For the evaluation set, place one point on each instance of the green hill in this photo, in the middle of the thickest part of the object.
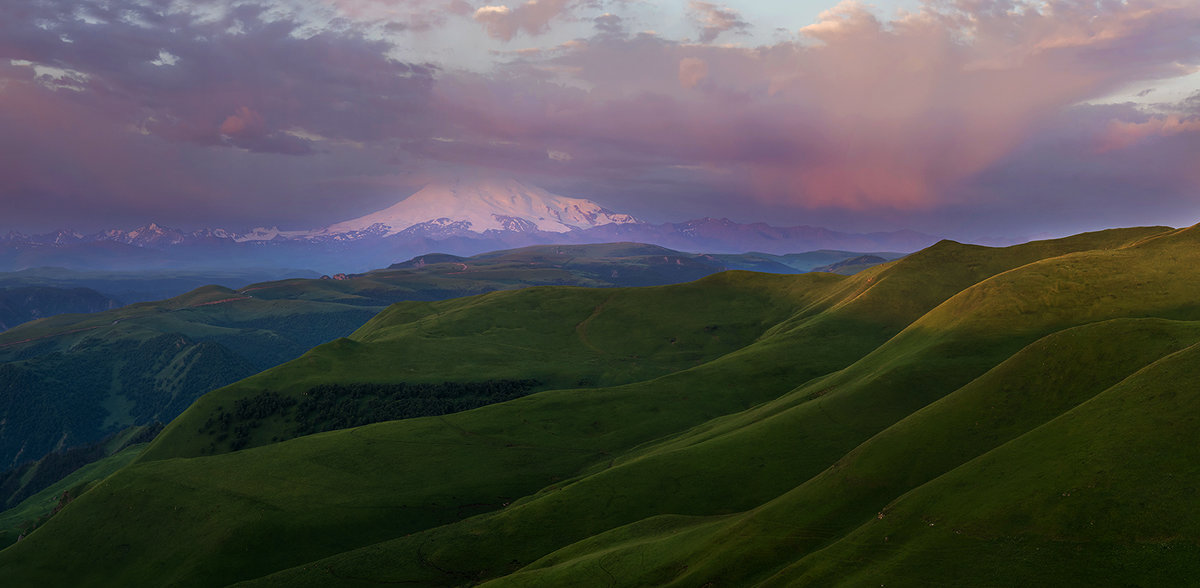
(439, 276)
(33, 492)
(72, 379)
(128, 287)
(962, 416)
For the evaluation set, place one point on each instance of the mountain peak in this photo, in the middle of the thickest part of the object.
(499, 204)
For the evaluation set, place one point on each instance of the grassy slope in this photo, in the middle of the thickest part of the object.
(564, 337)
(44, 501)
(150, 361)
(30, 478)
(576, 445)
(71, 379)
(1071, 366)
(1100, 495)
(768, 450)
(147, 285)
(25, 303)
(550, 439)
(438, 276)
(1033, 387)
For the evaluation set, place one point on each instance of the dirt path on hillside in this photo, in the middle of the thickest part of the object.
(581, 328)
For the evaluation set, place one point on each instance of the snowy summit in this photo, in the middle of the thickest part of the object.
(502, 205)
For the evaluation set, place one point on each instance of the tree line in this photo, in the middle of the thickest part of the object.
(328, 407)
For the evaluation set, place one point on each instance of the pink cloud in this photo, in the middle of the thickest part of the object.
(857, 113)
(243, 122)
(692, 71)
(1121, 134)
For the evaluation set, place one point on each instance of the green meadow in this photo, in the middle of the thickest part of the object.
(963, 416)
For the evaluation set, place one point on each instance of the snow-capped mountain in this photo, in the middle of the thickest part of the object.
(269, 234)
(151, 235)
(481, 206)
(461, 218)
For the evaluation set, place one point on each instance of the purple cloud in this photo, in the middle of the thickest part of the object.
(715, 20)
(303, 113)
(855, 114)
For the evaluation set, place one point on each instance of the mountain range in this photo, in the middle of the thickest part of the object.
(461, 218)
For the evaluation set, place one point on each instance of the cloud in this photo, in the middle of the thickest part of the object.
(714, 20)
(1123, 134)
(842, 20)
(243, 122)
(63, 163)
(533, 17)
(165, 59)
(1059, 182)
(609, 24)
(692, 71)
(236, 84)
(855, 114)
(962, 110)
(339, 85)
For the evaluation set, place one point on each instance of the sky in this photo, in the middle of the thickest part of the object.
(971, 119)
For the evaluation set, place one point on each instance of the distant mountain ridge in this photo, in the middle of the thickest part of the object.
(461, 218)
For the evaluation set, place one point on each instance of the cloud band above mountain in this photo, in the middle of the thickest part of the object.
(214, 112)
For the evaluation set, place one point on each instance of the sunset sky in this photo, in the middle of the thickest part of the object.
(974, 119)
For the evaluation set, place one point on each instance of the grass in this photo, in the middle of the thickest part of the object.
(1102, 486)
(78, 377)
(441, 276)
(563, 337)
(72, 379)
(16, 520)
(963, 416)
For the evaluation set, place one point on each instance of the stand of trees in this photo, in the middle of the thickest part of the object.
(32, 477)
(340, 406)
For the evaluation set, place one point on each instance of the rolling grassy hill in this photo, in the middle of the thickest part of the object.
(34, 492)
(439, 276)
(962, 416)
(72, 379)
(128, 287)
